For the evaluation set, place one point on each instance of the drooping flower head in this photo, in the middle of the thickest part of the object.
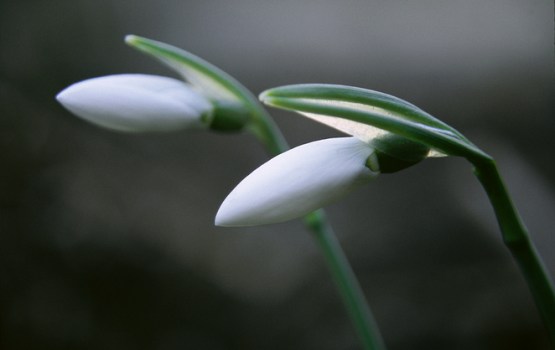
(298, 182)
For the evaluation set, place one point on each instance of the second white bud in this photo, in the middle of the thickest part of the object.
(137, 103)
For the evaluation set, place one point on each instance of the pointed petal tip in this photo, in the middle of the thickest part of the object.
(233, 214)
(223, 219)
(66, 96)
(60, 96)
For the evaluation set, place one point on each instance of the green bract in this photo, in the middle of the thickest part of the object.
(235, 106)
(372, 116)
(212, 81)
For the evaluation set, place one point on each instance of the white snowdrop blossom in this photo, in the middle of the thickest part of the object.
(298, 182)
(137, 103)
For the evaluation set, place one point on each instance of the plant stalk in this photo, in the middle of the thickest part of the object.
(517, 239)
(346, 281)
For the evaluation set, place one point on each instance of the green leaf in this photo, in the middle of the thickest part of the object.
(216, 85)
(368, 114)
(212, 81)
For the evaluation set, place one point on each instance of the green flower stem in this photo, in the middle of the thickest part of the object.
(517, 239)
(346, 281)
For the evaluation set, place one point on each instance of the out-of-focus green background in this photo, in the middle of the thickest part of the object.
(107, 240)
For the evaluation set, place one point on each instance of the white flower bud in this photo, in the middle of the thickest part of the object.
(297, 182)
(137, 103)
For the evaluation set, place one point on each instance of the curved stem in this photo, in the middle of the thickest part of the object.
(517, 239)
(346, 281)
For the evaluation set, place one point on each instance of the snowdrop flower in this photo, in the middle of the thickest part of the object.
(299, 181)
(137, 103)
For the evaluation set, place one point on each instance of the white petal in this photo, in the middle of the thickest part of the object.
(136, 103)
(297, 182)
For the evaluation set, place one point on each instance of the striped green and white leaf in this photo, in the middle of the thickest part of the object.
(215, 84)
(209, 79)
(368, 114)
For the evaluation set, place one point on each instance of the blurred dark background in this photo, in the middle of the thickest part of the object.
(107, 240)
